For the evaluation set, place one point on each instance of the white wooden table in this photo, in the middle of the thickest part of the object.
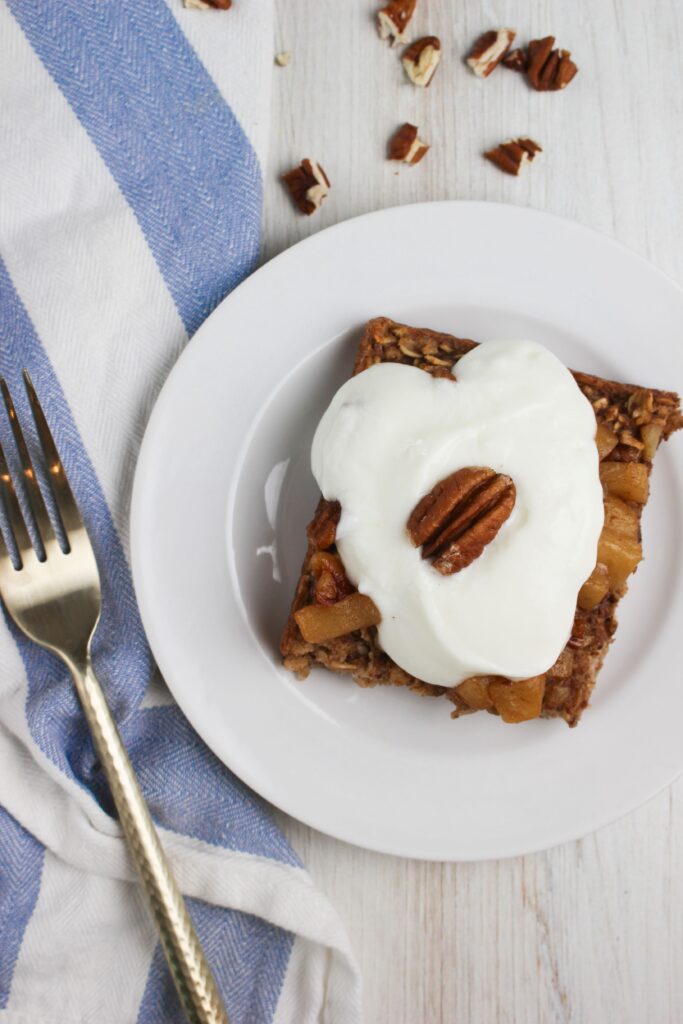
(590, 932)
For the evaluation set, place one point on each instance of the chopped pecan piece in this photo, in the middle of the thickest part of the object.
(563, 667)
(331, 582)
(205, 5)
(548, 69)
(405, 145)
(421, 59)
(322, 531)
(308, 185)
(641, 406)
(489, 50)
(460, 516)
(393, 20)
(511, 156)
(516, 60)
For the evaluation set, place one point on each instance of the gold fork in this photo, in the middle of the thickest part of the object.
(54, 598)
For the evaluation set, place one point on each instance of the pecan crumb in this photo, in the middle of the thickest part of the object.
(421, 59)
(489, 50)
(308, 185)
(548, 69)
(393, 20)
(510, 156)
(516, 60)
(406, 145)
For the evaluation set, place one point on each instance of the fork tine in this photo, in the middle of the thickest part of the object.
(4, 550)
(35, 495)
(61, 489)
(14, 516)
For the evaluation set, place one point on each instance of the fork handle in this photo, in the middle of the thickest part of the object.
(189, 968)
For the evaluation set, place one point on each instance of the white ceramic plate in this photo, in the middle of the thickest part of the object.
(223, 493)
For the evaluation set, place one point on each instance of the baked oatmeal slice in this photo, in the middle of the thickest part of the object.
(631, 423)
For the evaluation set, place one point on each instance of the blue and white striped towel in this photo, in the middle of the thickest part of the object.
(131, 142)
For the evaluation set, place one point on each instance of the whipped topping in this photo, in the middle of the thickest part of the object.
(393, 432)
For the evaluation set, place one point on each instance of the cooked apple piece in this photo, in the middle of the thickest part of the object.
(651, 435)
(621, 519)
(626, 480)
(475, 691)
(518, 700)
(595, 588)
(319, 622)
(619, 546)
(606, 441)
(621, 557)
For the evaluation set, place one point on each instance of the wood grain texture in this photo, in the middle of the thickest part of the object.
(592, 931)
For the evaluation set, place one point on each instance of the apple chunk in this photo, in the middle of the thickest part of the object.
(518, 700)
(625, 480)
(619, 547)
(475, 691)
(595, 588)
(320, 622)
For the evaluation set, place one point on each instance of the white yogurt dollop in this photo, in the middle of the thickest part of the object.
(393, 432)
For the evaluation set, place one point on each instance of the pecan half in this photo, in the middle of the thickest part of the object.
(489, 50)
(516, 60)
(405, 145)
(308, 185)
(511, 156)
(460, 516)
(548, 69)
(421, 59)
(393, 20)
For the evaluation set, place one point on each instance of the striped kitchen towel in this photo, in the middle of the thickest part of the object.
(131, 145)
